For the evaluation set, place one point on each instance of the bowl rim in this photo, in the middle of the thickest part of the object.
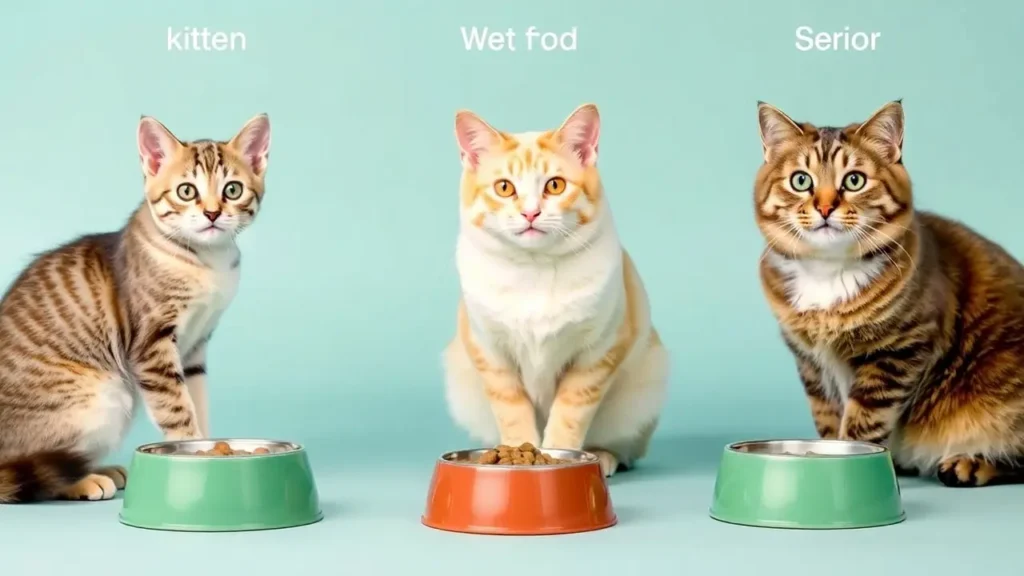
(214, 528)
(146, 449)
(875, 450)
(879, 522)
(583, 458)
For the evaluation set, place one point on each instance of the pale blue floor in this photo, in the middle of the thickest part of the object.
(371, 527)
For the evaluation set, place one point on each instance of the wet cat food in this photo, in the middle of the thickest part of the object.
(224, 449)
(524, 455)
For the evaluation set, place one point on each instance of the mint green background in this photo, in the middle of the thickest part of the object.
(348, 285)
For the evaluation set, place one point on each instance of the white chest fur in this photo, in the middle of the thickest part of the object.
(813, 284)
(540, 316)
(218, 285)
(836, 375)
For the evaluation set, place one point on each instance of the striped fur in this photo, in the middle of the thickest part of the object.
(554, 342)
(907, 327)
(91, 324)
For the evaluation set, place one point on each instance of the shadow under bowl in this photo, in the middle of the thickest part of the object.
(808, 484)
(564, 498)
(171, 488)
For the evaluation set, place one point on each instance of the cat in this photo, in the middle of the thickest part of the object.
(553, 328)
(907, 327)
(89, 326)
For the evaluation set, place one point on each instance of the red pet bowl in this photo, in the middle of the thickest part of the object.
(518, 500)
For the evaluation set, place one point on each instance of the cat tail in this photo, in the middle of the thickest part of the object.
(40, 476)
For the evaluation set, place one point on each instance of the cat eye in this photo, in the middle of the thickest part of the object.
(555, 186)
(854, 181)
(801, 181)
(187, 192)
(233, 190)
(504, 188)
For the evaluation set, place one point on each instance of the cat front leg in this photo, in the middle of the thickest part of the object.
(512, 408)
(161, 381)
(869, 419)
(576, 402)
(194, 373)
(826, 411)
(580, 392)
(883, 382)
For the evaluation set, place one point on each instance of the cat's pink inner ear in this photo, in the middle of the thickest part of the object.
(884, 131)
(581, 132)
(776, 127)
(155, 145)
(474, 137)
(253, 142)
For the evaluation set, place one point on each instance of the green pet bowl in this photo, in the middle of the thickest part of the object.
(809, 484)
(171, 488)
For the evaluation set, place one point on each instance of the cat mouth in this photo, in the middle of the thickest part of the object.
(530, 231)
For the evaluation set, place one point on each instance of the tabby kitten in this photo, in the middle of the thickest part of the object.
(91, 323)
(554, 330)
(907, 327)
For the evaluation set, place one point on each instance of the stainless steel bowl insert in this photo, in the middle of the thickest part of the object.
(807, 448)
(467, 457)
(190, 447)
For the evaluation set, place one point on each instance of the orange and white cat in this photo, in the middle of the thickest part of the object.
(554, 344)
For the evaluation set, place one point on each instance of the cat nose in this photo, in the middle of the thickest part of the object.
(531, 215)
(211, 216)
(826, 201)
(826, 206)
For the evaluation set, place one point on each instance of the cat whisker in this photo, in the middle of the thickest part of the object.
(874, 246)
(767, 251)
(891, 239)
(793, 228)
(582, 245)
(787, 226)
(887, 222)
(172, 236)
(571, 233)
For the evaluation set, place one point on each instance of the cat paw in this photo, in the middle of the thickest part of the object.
(92, 487)
(561, 441)
(966, 472)
(116, 473)
(609, 462)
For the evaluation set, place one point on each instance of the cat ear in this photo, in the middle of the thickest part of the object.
(580, 133)
(253, 143)
(775, 126)
(474, 137)
(156, 145)
(883, 132)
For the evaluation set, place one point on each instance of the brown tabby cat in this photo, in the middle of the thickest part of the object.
(907, 328)
(91, 323)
